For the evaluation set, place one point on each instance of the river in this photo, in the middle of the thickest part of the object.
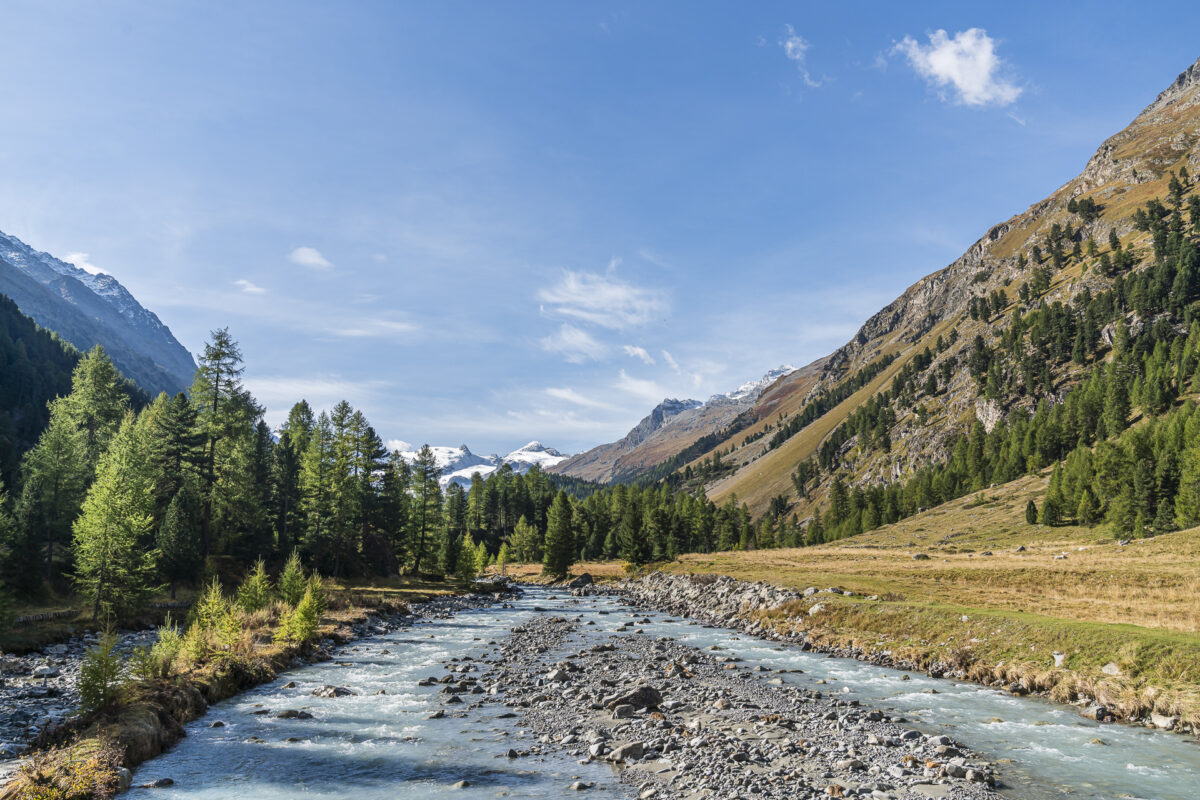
(381, 746)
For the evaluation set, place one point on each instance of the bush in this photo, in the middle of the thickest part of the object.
(255, 592)
(303, 622)
(292, 581)
(156, 662)
(100, 681)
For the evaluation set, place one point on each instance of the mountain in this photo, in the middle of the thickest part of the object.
(458, 464)
(671, 427)
(988, 340)
(88, 309)
(35, 367)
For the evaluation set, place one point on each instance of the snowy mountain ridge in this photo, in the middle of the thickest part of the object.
(458, 464)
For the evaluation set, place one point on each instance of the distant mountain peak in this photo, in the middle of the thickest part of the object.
(88, 307)
(458, 464)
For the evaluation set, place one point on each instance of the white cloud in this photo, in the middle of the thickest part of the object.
(571, 396)
(638, 387)
(248, 287)
(375, 327)
(603, 300)
(309, 257)
(634, 351)
(575, 345)
(796, 49)
(966, 62)
(671, 362)
(83, 261)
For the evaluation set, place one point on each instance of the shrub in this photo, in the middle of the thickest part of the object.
(100, 675)
(291, 581)
(302, 623)
(255, 592)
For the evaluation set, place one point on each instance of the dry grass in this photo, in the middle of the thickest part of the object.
(599, 570)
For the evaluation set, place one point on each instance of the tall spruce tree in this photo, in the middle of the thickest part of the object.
(560, 538)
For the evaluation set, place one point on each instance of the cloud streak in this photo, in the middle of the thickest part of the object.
(602, 300)
(248, 287)
(634, 351)
(966, 65)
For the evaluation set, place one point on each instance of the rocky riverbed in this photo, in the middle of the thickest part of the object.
(40, 689)
(678, 722)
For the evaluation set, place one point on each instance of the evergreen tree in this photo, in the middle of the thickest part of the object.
(1031, 513)
(55, 475)
(112, 569)
(178, 539)
(222, 407)
(97, 403)
(560, 539)
(427, 506)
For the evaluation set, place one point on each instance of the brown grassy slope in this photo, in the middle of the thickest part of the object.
(1130, 168)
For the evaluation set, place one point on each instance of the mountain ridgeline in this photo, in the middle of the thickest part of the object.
(87, 309)
(1064, 336)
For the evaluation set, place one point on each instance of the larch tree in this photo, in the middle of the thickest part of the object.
(112, 568)
(215, 392)
(55, 476)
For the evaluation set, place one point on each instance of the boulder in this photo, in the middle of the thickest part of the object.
(583, 580)
(641, 697)
(332, 691)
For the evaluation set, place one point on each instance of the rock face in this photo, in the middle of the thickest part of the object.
(88, 309)
(669, 428)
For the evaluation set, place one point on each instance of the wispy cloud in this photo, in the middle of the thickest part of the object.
(795, 48)
(602, 300)
(309, 257)
(248, 287)
(671, 362)
(639, 387)
(278, 393)
(375, 327)
(575, 345)
(634, 351)
(966, 63)
(571, 396)
(83, 261)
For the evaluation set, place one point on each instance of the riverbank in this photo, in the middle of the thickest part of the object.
(100, 751)
(680, 722)
(844, 623)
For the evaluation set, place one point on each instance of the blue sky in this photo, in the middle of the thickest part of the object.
(492, 222)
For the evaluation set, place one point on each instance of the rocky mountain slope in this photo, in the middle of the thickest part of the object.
(87, 309)
(669, 428)
(1130, 168)
(458, 464)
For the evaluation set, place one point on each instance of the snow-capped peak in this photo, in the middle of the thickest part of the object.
(458, 464)
(752, 389)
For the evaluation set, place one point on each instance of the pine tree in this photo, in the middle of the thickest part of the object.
(97, 403)
(427, 505)
(560, 539)
(464, 566)
(1031, 513)
(112, 569)
(222, 407)
(55, 475)
(292, 581)
(178, 538)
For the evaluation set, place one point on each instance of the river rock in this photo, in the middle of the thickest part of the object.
(332, 691)
(641, 697)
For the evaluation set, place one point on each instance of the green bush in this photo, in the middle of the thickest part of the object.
(100, 681)
(291, 581)
(302, 623)
(255, 592)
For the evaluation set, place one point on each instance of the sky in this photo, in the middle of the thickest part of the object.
(487, 223)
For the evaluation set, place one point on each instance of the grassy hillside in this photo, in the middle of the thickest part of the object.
(1131, 168)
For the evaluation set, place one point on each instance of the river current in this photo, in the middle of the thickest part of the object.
(373, 746)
